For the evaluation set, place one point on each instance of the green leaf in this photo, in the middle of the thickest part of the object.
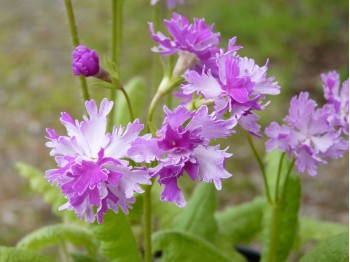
(333, 249)
(241, 223)
(163, 212)
(20, 255)
(117, 240)
(39, 184)
(138, 94)
(180, 246)
(281, 223)
(58, 234)
(315, 230)
(198, 216)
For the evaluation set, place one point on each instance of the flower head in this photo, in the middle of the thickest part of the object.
(338, 99)
(307, 135)
(197, 38)
(183, 146)
(238, 87)
(92, 171)
(85, 61)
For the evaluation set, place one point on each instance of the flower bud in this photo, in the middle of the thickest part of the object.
(85, 61)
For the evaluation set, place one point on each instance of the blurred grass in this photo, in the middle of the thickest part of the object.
(302, 38)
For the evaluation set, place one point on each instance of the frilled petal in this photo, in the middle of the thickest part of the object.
(211, 164)
(120, 141)
(248, 122)
(262, 85)
(171, 193)
(279, 137)
(145, 149)
(211, 127)
(204, 84)
(175, 118)
(306, 161)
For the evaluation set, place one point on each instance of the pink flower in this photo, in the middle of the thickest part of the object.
(92, 170)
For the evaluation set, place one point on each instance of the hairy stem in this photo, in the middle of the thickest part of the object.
(75, 42)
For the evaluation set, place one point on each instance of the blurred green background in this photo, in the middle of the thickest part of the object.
(302, 39)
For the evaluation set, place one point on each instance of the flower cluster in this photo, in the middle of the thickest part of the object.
(234, 84)
(182, 145)
(92, 170)
(311, 134)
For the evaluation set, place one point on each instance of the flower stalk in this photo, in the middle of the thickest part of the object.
(75, 42)
(116, 37)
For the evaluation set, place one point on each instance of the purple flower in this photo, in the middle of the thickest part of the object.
(239, 87)
(91, 169)
(183, 146)
(85, 61)
(171, 4)
(197, 38)
(307, 135)
(338, 99)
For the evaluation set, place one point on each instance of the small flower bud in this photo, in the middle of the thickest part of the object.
(85, 61)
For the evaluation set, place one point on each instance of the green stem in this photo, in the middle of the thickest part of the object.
(278, 176)
(116, 37)
(261, 165)
(151, 110)
(129, 103)
(75, 42)
(147, 219)
(273, 232)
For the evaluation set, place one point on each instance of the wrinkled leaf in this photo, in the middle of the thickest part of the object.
(117, 240)
(333, 249)
(241, 223)
(58, 234)
(197, 217)
(180, 246)
(12, 254)
(281, 223)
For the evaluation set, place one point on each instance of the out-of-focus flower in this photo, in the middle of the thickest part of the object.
(307, 135)
(171, 4)
(239, 87)
(92, 171)
(183, 146)
(85, 61)
(338, 98)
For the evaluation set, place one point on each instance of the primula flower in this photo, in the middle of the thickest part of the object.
(239, 87)
(338, 98)
(197, 39)
(307, 135)
(183, 146)
(85, 61)
(171, 4)
(91, 170)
